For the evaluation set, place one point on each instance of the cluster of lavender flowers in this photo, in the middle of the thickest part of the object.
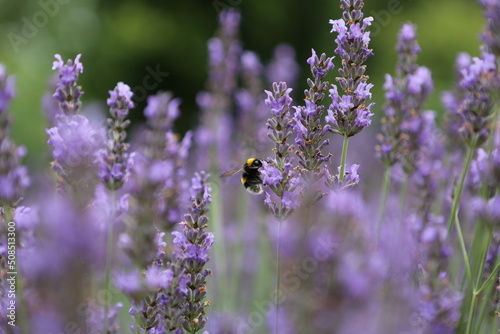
(120, 227)
(406, 93)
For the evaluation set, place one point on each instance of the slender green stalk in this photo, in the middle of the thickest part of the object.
(470, 320)
(480, 246)
(216, 216)
(383, 200)
(486, 285)
(458, 191)
(463, 249)
(239, 251)
(263, 278)
(483, 308)
(494, 123)
(491, 278)
(109, 255)
(343, 158)
(278, 279)
(403, 196)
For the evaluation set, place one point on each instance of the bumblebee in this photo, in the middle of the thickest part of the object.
(250, 178)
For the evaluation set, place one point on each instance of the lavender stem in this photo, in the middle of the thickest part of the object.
(343, 158)
(458, 191)
(383, 201)
(470, 319)
(109, 250)
(403, 195)
(278, 277)
(463, 249)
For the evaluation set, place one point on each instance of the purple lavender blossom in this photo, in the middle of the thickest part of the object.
(75, 142)
(307, 121)
(406, 93)
(68, 93)
(279, 130)
(191, 252)
(478, 80)
(348, 114)
(49, 104)
(14, 177)
(69, 241)
(157, 188)
(491, 35)
(452, 100)
(74, 139)
(7, 88)
(215, 131)
(350, 180)
(283, 66)
(252, 112)
(114, 161)
(95, 320)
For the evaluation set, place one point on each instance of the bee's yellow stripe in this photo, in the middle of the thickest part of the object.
(250, 161)
(243, 180)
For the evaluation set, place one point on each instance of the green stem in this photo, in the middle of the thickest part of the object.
(239, 252)
(219, 248)
(403, 196)
(470, 321)
(278, 279)
(383, 200)
(109, 254)
(494, 122)
(458, 191)
(343, 158)
(464, 251)
(482, 310)
(491, 278)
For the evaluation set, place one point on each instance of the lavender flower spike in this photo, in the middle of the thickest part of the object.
(307, 120)
(114, 161)
(192, 247)
(406, 93)
(68, 93)
(13, 176)
(348, 114)
(278, 174)
(478, 81)
(7, 88)
(491, 34)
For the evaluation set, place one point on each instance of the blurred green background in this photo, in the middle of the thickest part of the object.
(120, 40)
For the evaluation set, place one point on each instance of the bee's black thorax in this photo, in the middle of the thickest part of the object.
(251, 178)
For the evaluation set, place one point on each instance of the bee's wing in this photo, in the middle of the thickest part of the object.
(232, 172)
